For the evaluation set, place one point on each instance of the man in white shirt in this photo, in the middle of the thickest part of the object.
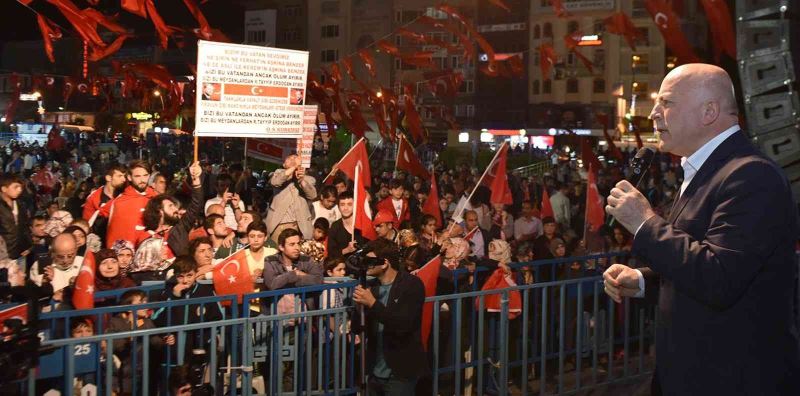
(562, 209)
(723, 262)
(527, 227)
(61, 266)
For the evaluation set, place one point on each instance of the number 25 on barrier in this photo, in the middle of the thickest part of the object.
(83, 349)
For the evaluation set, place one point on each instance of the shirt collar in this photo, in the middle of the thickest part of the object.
(693, 162)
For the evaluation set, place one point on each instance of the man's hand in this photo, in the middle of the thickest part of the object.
(169, 340)
(300, 273)
(235, 199)
(228, 241)
(363, 296)
(621, 281)
(195, 170)
(629, 206)
(351, 247)
(49, 274)
(299, 173)
(226, 197)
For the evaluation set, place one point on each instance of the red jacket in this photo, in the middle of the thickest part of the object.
(125, 220)
(94, 202)
(388, 206)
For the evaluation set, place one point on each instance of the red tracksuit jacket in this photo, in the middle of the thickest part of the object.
(125, 220)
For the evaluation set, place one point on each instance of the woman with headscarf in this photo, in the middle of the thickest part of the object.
(125, 252)
(80, 238)
(108, 275)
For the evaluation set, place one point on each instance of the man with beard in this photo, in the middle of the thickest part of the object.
(115, 180)
(124, 213)
(340, 234)
(218, 232)
(289, 268)
(162, 217)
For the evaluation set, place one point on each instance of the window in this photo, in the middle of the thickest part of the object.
(434, 13)
(643, 39)
(455, 60)
(256, 36)
(599, 59)
(398, 40)
(640, 63)
(572, 85)
(571, 59)
(535, 87)
(400, 65)
(468, 86)
(639, 87)
(639, 9)
(546, 3)
(330, 31)
(292, 34)
(548, 30)
(470, 110)
(599, 26)
(537, 32)
(330, 55)
(292, 11)
(547, 86)
(572, 26)
(409, 16)
(599, 86)
(536, 58)
(398, 16)
(330, 7)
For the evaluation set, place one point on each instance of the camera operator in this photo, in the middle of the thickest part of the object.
(395, 359)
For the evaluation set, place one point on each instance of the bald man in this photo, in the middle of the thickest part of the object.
(723, 261)
(61, 265)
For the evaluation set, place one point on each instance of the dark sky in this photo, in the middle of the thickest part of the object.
(17, 22)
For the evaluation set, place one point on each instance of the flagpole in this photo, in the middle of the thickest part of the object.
(461, 211)
(355, 201)
(244, 165)
(380, 143)
(336, 167)
(397, 154)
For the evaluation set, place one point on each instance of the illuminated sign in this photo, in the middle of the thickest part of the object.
(591, 40)
(140, 116)
(31, 97)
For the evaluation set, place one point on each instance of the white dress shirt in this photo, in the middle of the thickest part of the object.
(691, 165)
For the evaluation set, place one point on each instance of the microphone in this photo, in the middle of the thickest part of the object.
(640, 163)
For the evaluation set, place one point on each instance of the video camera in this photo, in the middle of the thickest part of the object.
(358, 263)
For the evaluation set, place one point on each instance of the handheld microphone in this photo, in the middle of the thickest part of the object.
(640, 163)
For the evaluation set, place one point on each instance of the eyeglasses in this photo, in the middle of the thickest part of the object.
(64, 256)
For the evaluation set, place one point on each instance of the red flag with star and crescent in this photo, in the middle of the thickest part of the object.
(83, 297)
(232, 276)
(431, 206)
(429, 275)
(407, 160)
(669, 24)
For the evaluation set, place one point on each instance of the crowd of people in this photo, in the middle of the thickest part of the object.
(147, 220)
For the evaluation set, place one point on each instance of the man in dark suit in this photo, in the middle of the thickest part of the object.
(723, 261)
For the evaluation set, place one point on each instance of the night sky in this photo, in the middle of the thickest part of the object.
(19, 22)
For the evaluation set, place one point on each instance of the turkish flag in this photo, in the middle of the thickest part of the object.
(571, 41)
(232, 276)
(368, 59)
(619, 23)
(429, 275)
(587, 155)
(501, 193)
(559, 9)
(669, 24)
(407, 160)
(547, 59)
(134, 6)
(362, 221)
(602, 118)
(723, 34)
(546, 206)
(205, 29)
(357, 153)
(595, 216)
(499, 280)
(413, 120)
(83, 296)
(431, 205)
(20, 312)
(500, 4)
(50, 32)
(256, 90)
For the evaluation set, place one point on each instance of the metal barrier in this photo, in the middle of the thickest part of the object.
(564, 326)
(538, 169)
(566, 338)
(322, 346)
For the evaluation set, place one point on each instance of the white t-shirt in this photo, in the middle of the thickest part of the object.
(329, 214)
(230, 217)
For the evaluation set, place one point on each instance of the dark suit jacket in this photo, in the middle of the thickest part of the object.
(401, 318)
(728, 272)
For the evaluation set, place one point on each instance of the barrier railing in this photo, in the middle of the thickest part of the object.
(566, 337)
(562, 326)
(92, 359)
(538, 169)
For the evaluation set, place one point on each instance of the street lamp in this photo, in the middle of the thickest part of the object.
(157, 94)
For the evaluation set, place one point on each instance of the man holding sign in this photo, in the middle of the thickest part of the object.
(289, 208)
